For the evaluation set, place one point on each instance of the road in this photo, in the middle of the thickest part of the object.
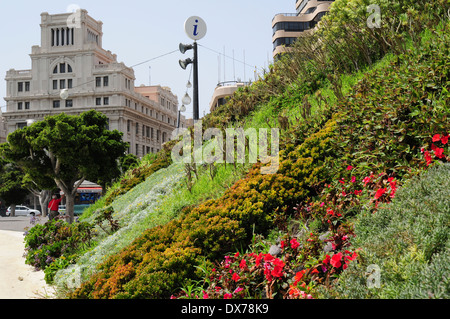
(18, 280)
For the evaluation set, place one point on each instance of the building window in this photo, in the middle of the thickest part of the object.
(69, 103)
(105, 81)
(21, 125)
(55, 84)
(137, 128)
(98, 81)
(63, 67)
(20, 106)
(27, 86)
(128, 126)
(69, 83)
(98, 101)
(62, 84)
(27, 105)
(106, 101)
(20, 86)
(56, 104)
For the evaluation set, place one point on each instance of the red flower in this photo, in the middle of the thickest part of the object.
(243, 264)
(299, 276)
(258, 259)
(380, 193)
(349, 168)
(227, 296)
(315, 271)
(428, 158)
(235, 277)
(326, 261)
(268, 257)
(278, 269)
(439, 152)
(444, 139)
(366, 180)
(283, 244)
(436, 138)
(336, 260)
(294, 243)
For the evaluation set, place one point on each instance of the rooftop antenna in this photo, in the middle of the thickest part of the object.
(234, 68)
(245, 76)
(149, 76)
(224, 65)
(218, 63)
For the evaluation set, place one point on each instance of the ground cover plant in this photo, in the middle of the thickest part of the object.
(346, 156)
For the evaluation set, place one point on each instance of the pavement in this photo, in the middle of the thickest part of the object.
(18, 280)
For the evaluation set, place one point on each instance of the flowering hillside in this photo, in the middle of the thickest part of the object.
(361, 188)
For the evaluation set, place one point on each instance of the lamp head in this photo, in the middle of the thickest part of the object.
(64, 94)
(186, 99)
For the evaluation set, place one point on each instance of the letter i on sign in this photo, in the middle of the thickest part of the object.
(195, 28)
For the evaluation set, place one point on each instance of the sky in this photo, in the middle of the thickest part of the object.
(138, 31)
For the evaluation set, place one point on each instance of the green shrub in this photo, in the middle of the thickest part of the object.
(408, 239)
(46, 243)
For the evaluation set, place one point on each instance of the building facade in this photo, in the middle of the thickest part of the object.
(223, 92)
(287, 27)
(71, 57)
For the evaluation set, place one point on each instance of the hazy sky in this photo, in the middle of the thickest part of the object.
(138, 31)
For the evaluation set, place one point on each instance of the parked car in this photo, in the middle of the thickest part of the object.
(23, 211)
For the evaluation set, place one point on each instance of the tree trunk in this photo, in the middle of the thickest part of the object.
(44, 198)
(70, 203)
(13, 210)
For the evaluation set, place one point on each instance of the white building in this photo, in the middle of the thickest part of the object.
(71, 57)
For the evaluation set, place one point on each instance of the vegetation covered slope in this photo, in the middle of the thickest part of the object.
(353, 131)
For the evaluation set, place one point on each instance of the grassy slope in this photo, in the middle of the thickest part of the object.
(258, 119)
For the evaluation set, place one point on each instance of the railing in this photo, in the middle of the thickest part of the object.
(233, 83)
(18, 73)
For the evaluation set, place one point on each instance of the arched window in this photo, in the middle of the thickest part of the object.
(62, 68)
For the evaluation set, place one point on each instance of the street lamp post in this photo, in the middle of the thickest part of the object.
(195, 27)
(184, 64)
(196, 102)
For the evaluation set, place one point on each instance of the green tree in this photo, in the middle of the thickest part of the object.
(68, 149)
(11, 190)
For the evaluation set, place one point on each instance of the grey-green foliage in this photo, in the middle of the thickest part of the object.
(408, 239)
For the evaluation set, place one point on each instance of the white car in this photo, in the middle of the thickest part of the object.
(23, 211)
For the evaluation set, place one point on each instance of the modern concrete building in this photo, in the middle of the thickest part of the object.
(223, 92)
(287, 27)
(71, 57)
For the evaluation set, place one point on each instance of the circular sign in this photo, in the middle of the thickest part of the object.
(195, 28)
